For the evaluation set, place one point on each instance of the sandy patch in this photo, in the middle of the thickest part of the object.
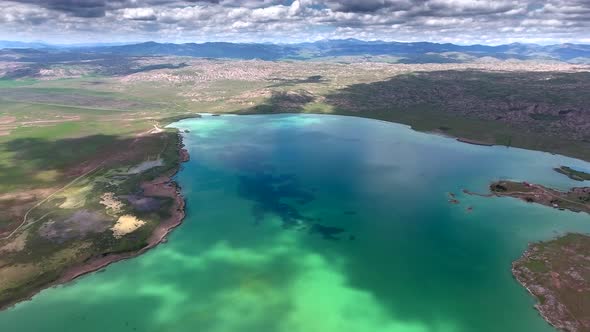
(7, 119)
(112, 204)
(6, 129)
(126, 224)
(156, 130)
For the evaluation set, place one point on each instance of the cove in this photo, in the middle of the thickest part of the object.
(325, 223)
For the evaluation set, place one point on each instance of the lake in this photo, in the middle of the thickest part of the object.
(325, 223)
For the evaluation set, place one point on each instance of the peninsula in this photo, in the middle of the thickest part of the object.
(556, 272)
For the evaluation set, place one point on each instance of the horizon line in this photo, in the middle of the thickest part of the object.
(82, 44)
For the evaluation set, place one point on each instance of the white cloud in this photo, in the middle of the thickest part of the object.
(139, 13)
(298, 20)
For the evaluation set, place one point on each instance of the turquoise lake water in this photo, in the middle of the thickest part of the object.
(318, 223)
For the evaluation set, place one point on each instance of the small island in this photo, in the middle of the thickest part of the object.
(556, 272)
(573, 174)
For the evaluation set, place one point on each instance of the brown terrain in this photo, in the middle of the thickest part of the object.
(160, 187)
(556, 272)
(74, 221)
(534, 102)
(576, 199)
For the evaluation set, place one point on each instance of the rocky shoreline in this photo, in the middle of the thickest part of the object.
(577, 199)
(162, 186)
(556, 272)
(557, 278)
(473, 141)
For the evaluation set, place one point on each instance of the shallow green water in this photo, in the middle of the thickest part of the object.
(388, 252)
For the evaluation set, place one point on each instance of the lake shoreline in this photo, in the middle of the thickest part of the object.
(459, 137)
(473, 141)
(554, 277)
(522, 277)
(547, 270)
(163, 186)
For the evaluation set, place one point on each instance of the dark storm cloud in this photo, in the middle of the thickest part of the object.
(463, 21)
(80, 8)
(98, 8)
(369, 5)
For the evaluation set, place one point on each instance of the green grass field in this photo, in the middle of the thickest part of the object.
(64, 144)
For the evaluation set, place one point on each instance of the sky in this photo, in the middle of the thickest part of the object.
(288, 21)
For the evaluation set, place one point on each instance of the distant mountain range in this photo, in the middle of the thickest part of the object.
(419, 52)
(17, 44)
(40, 45)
